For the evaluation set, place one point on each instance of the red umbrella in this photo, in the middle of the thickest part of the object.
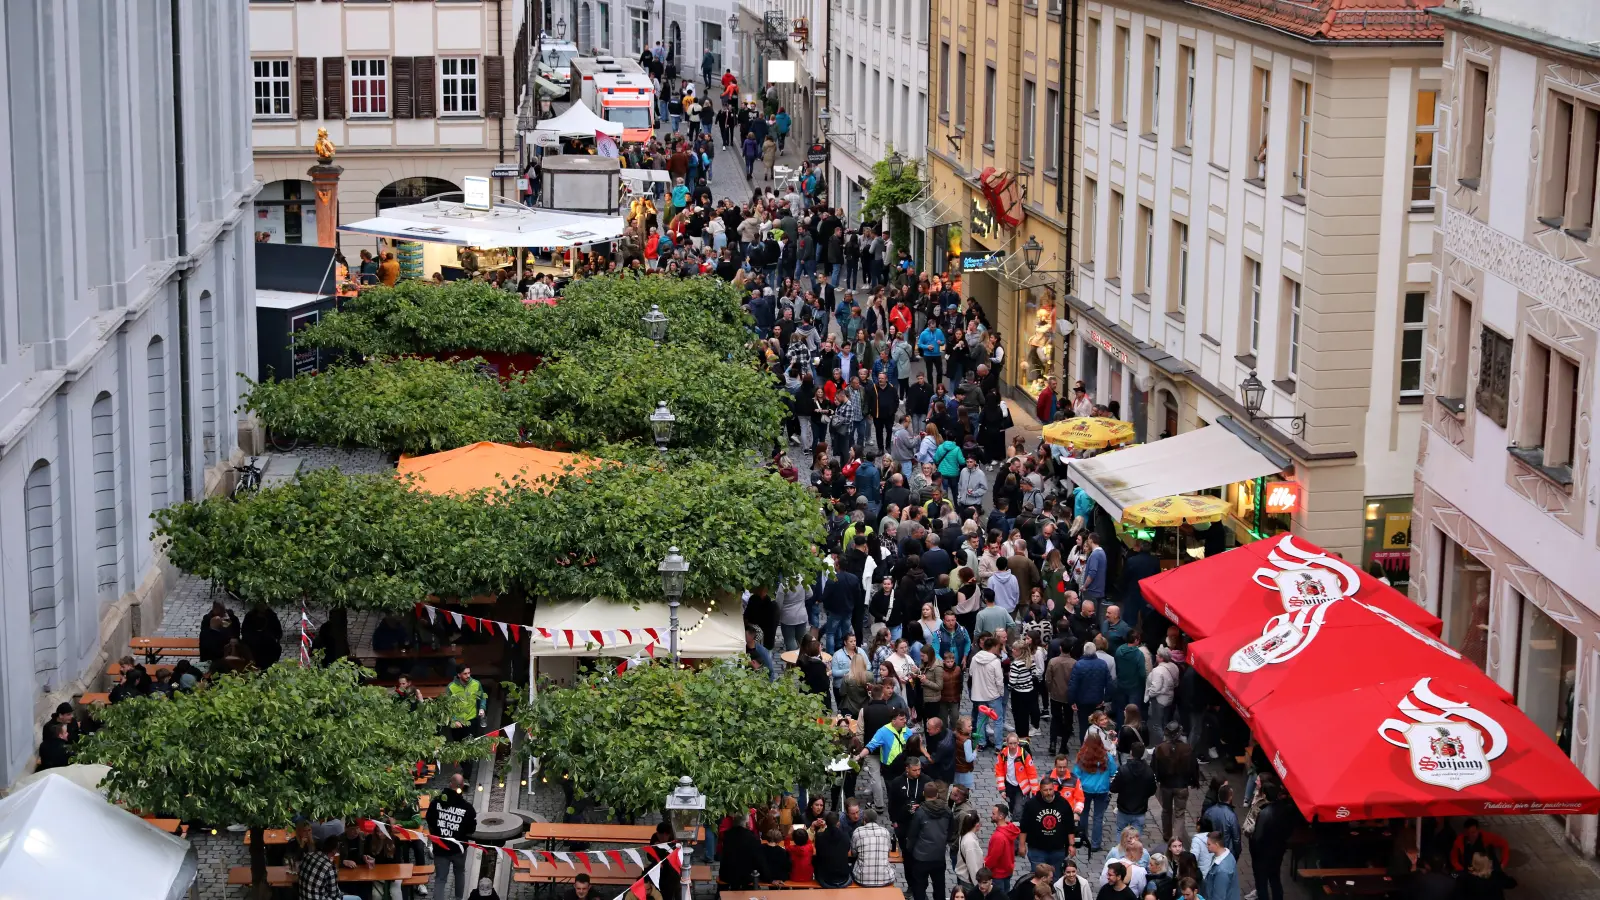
(1267, 577)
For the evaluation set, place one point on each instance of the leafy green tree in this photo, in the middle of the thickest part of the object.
(608, 309)
(417, 317)
(626, 739)
(885, 193)
(371, 542)
(262, 748)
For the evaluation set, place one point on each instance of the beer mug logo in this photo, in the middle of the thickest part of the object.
(1306, 579)
(1450, 744)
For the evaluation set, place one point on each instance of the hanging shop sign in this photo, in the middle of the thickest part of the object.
(817, 153)
(983, 221)
(1281, 497)
(1004, 195)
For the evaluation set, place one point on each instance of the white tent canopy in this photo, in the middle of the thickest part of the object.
(58, 839)
(447, 222)
(1205, 458)
(578, 121)
(701, 634)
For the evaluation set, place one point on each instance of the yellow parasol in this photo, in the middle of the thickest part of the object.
(1088, 432)
(1177, 510)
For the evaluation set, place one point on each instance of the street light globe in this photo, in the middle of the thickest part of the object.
(674, 572)
(561, 29)
(1031, 252)
(1252, 392)
(661, 423)
(897, 165)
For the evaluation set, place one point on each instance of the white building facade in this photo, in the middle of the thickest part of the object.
(416, 96)
(1255, 195)
(879, 105)
(126, 296)
(1507, 540)
(629, 27)
(787, 31)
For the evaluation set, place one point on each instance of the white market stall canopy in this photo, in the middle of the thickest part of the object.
(448, 222)
(1193, 461)
(579, 121)
(701, 635)
(646, 176)
(58, 839)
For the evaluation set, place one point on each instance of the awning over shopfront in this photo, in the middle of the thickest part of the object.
(446, 222)
(1196, 460)
(1363, 715)
(928, 211)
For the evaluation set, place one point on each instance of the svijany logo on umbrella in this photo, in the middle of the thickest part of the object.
(1445, 738)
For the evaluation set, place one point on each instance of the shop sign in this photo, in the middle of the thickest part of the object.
(981, 262)
(475, 192)
(1110, 347)
(1397, 531)
(1281, 497)
(504, 171)
(983, 223)
(817, 154)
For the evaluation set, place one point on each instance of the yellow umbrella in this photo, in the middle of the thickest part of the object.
(1178, 510)
(1088, 432)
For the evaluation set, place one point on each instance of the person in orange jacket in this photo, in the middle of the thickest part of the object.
(1070, 788)
(1014, 774)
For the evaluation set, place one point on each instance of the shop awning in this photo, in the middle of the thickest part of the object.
(1362, 715)
(1196, 460)
(928, 211)
(701, 634)
(446, 222)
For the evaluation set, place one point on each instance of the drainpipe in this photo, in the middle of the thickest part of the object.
(181, 202)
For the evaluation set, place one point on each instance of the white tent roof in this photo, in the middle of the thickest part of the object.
(1195, 460)
(700, 635)
(579, 121)
(447, 222)
(58, 839)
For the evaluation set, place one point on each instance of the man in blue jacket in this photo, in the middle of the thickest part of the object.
(839, 591)
(1222, 881)
(1087, 685)
(951, 637)
(1094, 571)
(930, 346)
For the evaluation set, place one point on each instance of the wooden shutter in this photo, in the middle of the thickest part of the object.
(305, 76)
(494, 87)
(333, 87)
(400, 72)
(1494, 376)
(424, 96)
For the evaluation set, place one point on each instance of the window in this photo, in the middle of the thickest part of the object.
(961, 89)
(1548, 407)
(1412, 316)
(1119, 86)
(1052, 131)
(156, 396)
(1152, 85)
(1091, 69)
(1114, 239)
(1458, 347)
(1475, 107)
(1179, 301)
(1494, 375)
(1422, 151)
(43, 614)
(1252, 346)
(1291, 290)
(1572, 152)
(1186, 59)
(458, 85)
(369, 87)
(873, 98)
(1028, 98)
(1464, 604)
(1091, 222)
(1260, 117)
(1547, 660)
(605, 26)
(944, 80)
(990, 79)
(1302, 137)
(271, 78)
(1147, 250)
(638, 30)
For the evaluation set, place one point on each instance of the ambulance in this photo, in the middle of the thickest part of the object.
(618, 90)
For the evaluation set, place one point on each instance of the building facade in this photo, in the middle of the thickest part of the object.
(878, 54)
(1507, 539)
(1000, 103)
(793, 34)
(415, 96)
(629, 27)
(127, 296)
(1256, 196)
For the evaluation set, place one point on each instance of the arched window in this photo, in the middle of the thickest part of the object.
(585, 37)
(103, 445)
(675, 36)
(39, 502)
(407, 191)
(156, 400)
(208, 380)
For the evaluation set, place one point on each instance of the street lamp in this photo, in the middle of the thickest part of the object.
(661, 422)
(897, 165)
(674, 572)
(684, 806)
(655, 324)
(1252, 393)
(1031, 252)
(561, 30)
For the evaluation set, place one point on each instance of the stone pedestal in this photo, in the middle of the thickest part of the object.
(325, 180)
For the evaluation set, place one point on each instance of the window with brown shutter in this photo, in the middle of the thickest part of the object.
(306, 87)
(333, 87)
(425, 97)
(400, 74)
(494, 87)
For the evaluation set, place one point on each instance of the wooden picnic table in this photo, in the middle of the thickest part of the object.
(627, 873)
(1363, 886)
(551, 832)
(283, 876)
(153, 647)
(850, 893)
(1347, 872)
(99, 698)
(792, 657)
(272, 837)
(170, 826)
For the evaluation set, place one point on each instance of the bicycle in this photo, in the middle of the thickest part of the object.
(247, 478)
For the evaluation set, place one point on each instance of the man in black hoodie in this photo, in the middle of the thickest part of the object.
(1134, 784)
(451, 818)
(905, 794)
(925, 843)
(1275, 822)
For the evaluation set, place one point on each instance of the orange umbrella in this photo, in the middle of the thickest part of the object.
(486, 465)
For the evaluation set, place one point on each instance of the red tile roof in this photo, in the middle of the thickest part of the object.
(1363, 20)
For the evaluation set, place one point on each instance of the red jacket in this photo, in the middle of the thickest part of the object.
(1461, 857)
(1001, 860)
(900, 318)
(800, 861)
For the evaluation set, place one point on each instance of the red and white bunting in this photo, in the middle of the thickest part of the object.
(638, 659)
(669, 852)
(569, 638)
(305, 638)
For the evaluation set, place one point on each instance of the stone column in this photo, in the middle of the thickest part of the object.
(325, 180)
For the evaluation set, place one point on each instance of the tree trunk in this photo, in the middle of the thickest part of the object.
(259, 889)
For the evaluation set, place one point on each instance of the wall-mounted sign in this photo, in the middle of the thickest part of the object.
(817, 154)
(983, 223)
(1110, 347)
(475, 192)
(780, 71)
(1281, 497)
(506, 171)
(1397, 531)
(982, 262)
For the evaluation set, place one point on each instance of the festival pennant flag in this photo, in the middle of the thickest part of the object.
(634, 855)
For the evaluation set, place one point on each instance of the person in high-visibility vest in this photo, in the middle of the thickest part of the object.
(890, 741)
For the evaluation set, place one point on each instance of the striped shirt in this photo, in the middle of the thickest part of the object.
(1021, 676)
